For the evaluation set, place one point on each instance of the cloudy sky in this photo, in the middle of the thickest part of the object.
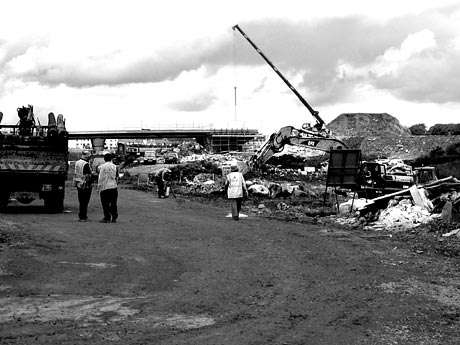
(149, 64)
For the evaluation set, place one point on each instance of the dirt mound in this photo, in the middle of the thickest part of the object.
(366, 125)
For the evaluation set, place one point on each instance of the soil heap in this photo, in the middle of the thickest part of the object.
(367, 125)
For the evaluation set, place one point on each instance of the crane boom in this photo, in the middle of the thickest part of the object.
(314, 113)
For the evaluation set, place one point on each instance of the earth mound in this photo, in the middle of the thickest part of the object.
(367, 125)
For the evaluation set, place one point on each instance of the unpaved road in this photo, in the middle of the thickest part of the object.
(179, 272)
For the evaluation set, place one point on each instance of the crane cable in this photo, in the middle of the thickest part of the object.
(235, 77)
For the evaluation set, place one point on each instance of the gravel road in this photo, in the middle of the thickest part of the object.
(174, 271)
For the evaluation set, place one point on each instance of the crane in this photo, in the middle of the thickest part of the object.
(307, 136)
(320, 123)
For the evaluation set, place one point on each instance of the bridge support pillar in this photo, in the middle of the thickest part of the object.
(98, 144)
(206, 142)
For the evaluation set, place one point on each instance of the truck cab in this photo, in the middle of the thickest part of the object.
(150, 157)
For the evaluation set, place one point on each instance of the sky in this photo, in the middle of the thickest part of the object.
(149, 64)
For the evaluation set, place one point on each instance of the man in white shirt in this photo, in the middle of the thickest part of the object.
(82, 180)
(236, 190)
(107, 186)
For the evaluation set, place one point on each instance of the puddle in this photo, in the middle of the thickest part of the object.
(51, 308)
(442, 293)
(100, 265)
(92, 310)
(178, 321)
(334, 233)
(400, 334)
(4, 273)
(242, 215)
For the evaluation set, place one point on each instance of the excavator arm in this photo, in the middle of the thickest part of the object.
(289, 135)
(308, 136)
(319, 121)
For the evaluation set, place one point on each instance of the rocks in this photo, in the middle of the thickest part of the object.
(282, 206)
(346, 207)
(451, 233)
(258, 189)
(403, 215)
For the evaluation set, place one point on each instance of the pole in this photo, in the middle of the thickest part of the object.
(235, 100)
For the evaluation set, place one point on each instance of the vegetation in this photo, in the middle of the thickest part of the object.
(445, 129)
(418, 129)
(446, 160)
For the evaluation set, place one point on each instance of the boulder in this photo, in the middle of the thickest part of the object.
(258, 189)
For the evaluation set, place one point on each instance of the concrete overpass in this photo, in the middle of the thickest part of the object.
(215, 140)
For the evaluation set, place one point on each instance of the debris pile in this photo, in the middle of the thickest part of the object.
(408, 208)
(401, 215)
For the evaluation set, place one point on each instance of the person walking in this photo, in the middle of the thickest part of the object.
(236, 190)
(83, 182)
(163, 177)
(107, 186)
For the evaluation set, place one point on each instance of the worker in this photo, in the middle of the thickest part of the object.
(236, 190)
(107, 186)
(163, 179)
(83, 182)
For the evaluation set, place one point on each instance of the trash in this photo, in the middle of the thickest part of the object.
(453, 232)
(258, 189)
(401, 216)
(345, 207)
(446, 214)
(420, 199)
(282, 206)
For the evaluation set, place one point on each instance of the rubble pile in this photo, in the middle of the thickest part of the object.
(202, 184)
(266, 188)
(401, 215)
(406, 209)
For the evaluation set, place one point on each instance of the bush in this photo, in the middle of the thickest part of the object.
(190, 170)
(418, 129)
(445, 129)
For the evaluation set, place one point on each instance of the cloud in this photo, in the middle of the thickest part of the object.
(50, 67)
(420, 69)
(413, 57)
(197, 103)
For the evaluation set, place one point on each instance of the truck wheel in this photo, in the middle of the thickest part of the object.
(4, 198)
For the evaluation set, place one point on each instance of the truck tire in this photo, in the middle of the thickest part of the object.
(4, 198)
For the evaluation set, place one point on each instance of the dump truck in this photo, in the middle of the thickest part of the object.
(34, 160)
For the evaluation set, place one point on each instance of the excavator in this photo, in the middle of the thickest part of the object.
(315, 137)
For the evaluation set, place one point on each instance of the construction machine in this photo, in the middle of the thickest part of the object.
(34, 160)
(386, 176)
(307, 136)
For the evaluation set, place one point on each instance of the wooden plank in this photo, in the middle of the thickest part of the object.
(384, 197)
(420, 199)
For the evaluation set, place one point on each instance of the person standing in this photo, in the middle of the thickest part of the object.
(83, 182)
(107, 186)
(236, 190)
(163, 178)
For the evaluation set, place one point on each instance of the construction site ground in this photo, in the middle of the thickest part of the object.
(178, 271)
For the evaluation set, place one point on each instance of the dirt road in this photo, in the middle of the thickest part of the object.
(179, 272)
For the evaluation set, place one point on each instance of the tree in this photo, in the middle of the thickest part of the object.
(418, 129)
(445, 129)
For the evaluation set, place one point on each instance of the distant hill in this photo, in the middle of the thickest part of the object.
(366, 125)
(381, 135)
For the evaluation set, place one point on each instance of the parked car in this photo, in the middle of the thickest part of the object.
(161, 160)
(171, 158)
(139, 160)
(150, 157)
